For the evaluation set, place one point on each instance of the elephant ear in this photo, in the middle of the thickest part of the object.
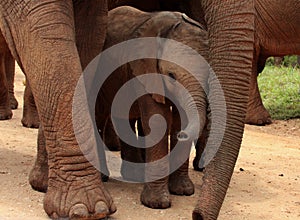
(144, 66)
(158, 25)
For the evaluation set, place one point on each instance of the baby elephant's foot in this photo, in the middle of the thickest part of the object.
(156, 198)
(38, 178)
(78, 198)
(181, 185)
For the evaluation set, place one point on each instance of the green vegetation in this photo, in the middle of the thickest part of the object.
(287, 61)
(280, 91)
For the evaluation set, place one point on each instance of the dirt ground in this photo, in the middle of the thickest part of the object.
(265, 184)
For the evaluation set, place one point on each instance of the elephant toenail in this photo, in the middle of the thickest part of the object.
(78, 210)
(101, 208)
(54, 215)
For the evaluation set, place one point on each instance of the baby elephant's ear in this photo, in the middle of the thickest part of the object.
(153, 83)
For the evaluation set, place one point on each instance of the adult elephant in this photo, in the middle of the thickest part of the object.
(277, 33)
(43, 37)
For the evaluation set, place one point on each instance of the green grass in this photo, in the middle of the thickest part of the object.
(280, 91)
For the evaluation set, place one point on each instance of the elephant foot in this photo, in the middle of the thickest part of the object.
(155, 198)
(5, 114)
(78, 198)
(134, 172)
(38, 178)
(30, 121)
(258, 116)
(13, 102)
(181, 185)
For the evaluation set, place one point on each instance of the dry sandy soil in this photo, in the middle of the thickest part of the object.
(265, 184)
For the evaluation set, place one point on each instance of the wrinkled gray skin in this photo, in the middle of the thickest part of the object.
(53, 41)
(135, 24)
(230, 26)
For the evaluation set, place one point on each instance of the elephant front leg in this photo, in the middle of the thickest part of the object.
(179, 181)
(134, 170)
(155, 193)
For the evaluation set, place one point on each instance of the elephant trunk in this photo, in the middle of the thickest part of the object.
(194, 115)
(231, 36)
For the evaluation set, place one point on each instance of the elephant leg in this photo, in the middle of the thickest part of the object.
(5, 109)
(257, 114)
(38, 177)
(110, 137)
(10, 76)
(179, 181)
(155, 193)
(101, 120)
(130, 171)
(53, 66)
(30, 115)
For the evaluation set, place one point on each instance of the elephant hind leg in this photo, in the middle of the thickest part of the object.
(5, 110)
(30, 115)
(9, 63)
(7, 99)
(257, 114)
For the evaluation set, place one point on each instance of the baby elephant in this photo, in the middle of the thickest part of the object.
(126, 23)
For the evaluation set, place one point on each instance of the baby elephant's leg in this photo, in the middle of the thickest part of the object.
(155, 193)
